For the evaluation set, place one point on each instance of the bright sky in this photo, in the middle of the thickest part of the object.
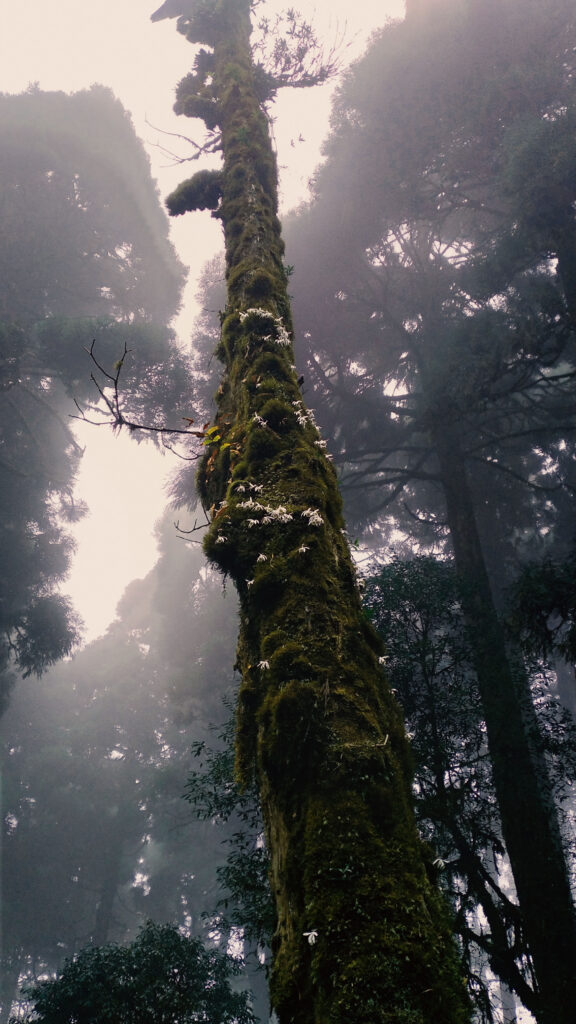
(68, 45)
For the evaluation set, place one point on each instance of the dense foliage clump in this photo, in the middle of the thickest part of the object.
(161, 977)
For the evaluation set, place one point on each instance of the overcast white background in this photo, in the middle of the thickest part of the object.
(68, 45)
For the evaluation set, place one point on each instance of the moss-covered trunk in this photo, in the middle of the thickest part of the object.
(362, 935)
(529, 820)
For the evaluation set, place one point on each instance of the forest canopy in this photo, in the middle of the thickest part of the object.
(433, 279)
(84, 259)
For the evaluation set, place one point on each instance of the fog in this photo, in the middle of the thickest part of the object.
(431, 270)
(119, 47)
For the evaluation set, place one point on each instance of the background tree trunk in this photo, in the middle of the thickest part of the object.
(10, 973)
(529, 820)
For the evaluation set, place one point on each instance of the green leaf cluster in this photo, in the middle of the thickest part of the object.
(161, 977)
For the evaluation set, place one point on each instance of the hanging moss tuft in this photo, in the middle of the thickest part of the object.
(205, 24)
(199, 106)
(202, 191)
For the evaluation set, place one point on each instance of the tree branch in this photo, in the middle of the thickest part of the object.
(114, 417)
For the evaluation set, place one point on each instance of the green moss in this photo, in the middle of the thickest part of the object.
(238, 176)
(261, 285)
(283, 653)
(270, 582)
(262, 445)
(316, 725)
(203, 25)
(292, 711)
(199, 106)
(204, 63)
(195, 98)
(272, 364)
(374, 936)
(278, 414)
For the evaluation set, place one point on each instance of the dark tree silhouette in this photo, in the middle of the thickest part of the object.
(447, 219)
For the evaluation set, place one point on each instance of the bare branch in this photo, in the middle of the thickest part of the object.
(185, 534)
(114, 417)
(211, 145)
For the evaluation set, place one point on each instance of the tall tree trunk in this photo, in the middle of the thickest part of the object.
(108, 891)
(566, 252)
(362, 936)
(565, 685)
(256, 978)
(529, 820)
(9, 976)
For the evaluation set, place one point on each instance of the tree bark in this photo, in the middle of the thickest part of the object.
(362, 936)
(565, 685)
(109, 886)
(10, 974)
(529, 821)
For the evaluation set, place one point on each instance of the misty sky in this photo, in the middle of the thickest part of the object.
(67, 45)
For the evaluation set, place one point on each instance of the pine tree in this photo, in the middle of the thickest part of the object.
(458, 222)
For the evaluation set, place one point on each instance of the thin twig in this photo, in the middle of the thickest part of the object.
(211, 145)
(185, 534)
(116, 418)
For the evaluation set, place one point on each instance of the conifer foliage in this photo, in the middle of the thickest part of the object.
(84, 259)
(446, 216)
